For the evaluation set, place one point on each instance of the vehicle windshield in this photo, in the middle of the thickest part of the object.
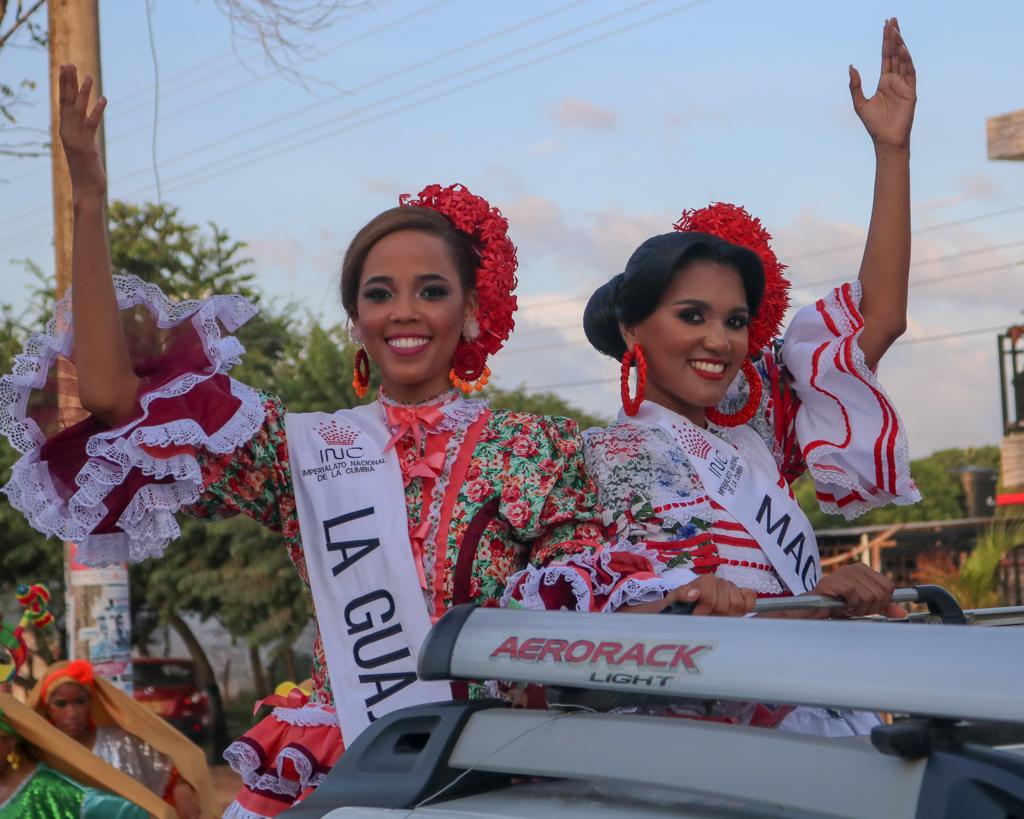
(162, 674)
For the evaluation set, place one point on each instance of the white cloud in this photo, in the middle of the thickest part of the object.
(572, 112)
(946, 390)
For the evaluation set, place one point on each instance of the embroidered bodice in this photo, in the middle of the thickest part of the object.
(821, 409)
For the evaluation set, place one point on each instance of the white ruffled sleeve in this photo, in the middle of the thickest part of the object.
(852, 439)
(114, 491)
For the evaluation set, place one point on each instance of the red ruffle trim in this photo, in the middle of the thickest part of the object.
(280, 762)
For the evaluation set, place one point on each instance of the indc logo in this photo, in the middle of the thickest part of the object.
(340, 440)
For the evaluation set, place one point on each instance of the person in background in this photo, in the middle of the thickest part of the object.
(126, 735)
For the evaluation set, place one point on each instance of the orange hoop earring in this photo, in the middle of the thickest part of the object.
(361, 373)
(632, 405)
(743, 415)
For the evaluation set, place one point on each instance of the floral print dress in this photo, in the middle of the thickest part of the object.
(487, 494)
(822, 410)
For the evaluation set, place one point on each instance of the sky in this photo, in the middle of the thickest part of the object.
(591, 124)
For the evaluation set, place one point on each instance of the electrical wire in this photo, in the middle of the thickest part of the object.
(918, 283)
(591, 382)
(927, 229)
(156, 98)
(273, 147)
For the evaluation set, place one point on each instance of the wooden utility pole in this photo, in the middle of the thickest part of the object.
(74, 35)
(98, 613)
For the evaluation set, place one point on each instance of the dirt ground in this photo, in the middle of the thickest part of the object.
(225, 784)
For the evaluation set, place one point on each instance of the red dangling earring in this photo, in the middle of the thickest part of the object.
(632, 405)
(469, 370)
(742, 416)
(361, 373)
(469, 386)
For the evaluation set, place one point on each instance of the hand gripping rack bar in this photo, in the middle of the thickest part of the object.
(942, 608)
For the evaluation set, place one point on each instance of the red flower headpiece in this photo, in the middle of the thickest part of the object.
(734, 224)
(495, 276)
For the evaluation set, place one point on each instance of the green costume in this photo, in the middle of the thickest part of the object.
(47, 794)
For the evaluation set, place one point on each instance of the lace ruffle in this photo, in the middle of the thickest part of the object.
(594, 584)
(245, 761)
(307, 716)
(853, 440)
(147, 522)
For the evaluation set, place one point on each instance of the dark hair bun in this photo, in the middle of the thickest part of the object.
(601, 320)
(633, 295)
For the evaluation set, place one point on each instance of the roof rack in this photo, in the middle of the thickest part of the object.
(462, 757)
(935, 671)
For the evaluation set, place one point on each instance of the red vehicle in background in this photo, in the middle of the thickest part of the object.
(169, 687)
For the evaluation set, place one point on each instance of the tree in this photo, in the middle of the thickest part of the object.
(154, 243)
(973, 583)
(936, 476)
(17, 140)
(543, 403)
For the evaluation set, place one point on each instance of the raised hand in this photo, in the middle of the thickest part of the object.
(889, 114)
(78, 128)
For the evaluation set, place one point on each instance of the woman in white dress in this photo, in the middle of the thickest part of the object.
(700, 461)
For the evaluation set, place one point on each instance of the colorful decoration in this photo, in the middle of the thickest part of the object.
(734, 224)
(35, 599)
(632, 405)
(743, 415)
(495, 276)
(361, 373)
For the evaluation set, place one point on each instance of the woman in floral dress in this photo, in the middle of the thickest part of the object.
(702, 468)
(392, 512)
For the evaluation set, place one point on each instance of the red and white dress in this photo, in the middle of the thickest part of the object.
(487, 493)
(822, 411)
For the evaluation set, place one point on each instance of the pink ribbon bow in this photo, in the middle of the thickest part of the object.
(416, 420)
(296, 698)
(429, 466)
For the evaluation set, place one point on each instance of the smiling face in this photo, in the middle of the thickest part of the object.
(695, 340)
(410, 311)
(68, 709)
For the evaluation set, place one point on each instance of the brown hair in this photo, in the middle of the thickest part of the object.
(425, 220)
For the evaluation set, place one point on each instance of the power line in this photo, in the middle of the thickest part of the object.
(217, 168)
(850, 246)
(252, 80)
(591, 382)
(218, 95)
(216, 61)
(923, 282)
(296, 140)
(557, 300)
(918, 283)
(156, 97)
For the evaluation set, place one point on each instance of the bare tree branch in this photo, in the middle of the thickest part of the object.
(278, 26)
(13, 98)
(20, 18)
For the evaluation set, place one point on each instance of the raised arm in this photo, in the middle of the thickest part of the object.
(107, 384)
(885, 268)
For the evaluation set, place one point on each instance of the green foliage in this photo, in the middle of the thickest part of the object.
(543, 403)
(16, 140)
(25, 555)
(230, 570)
(974, 582)
(937, 478)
